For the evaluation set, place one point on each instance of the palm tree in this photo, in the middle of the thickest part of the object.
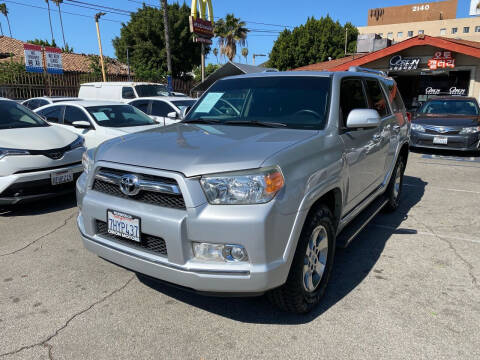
(50, 19)
(4, 11)
(231, 32)
(245, 54)
(1, 29)
(215, 52)
(58, 2)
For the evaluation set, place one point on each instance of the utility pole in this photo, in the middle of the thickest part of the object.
(97, 17)
(346, 40)
(128, 64)
(203, 62)
(167, 36)
(257, 55)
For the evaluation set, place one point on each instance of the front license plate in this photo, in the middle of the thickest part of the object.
(61, 177)
(123, 225)
(441, 140)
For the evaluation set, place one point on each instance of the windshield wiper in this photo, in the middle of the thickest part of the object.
(256, 123)
(202, 120)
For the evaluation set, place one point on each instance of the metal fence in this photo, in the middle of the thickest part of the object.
(27, 85)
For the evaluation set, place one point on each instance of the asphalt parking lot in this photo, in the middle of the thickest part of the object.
(407, 288)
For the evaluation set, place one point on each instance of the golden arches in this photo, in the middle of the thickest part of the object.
(203, 9)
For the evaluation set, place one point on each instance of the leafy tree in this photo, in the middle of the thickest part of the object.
(144, 36)
(209, 70)
(231, 32)
(313, 42)
(4, 11)
(245, 54)
(215, 52)
(43, 42)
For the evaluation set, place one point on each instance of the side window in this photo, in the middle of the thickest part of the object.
(376, 97)
(141, 105)
(52, 114)
(127, 93)
(74, 114)
(352, 97)
(395, 97)
(28, 104)
(41, 102)
(160, 108)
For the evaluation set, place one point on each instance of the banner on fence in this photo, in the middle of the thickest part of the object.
(33, 58)
(54, 60)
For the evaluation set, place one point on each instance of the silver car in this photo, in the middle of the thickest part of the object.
(255, 188)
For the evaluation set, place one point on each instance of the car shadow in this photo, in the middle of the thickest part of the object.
(441, 153)
(41, 207)
(351, 267)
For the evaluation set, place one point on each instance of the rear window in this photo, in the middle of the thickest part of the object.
(450, 107)
(15, 116)
(151, 90)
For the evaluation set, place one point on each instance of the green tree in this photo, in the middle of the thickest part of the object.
(42, 42)
(231, 32)
(313, 42)
(215, 52)
(144, 36)
(4, 11)
(209, 70)
(245, 54)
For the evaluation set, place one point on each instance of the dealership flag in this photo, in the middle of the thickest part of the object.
(475, 7)
(33, 58)
(54, 60)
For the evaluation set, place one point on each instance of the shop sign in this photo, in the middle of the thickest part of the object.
(201, 27)
(441, 60)
(432, 91)
(33, 58)
(53, 57)
(400, 63)
(454, 91)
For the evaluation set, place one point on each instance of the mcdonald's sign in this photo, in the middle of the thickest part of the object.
(200, 24)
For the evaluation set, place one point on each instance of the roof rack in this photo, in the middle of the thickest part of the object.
(367, 70)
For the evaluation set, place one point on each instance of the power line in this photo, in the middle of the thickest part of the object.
(97, 9)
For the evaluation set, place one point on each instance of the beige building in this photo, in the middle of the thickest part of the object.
(463, 28)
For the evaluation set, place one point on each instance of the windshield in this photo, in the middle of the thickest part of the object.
(296, 102)
(450, 107)
(151, 90)
(117, 116)
(15, 116)
(183, 104)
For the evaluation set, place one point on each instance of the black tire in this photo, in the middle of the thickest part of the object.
(393, 192)
(293, 296)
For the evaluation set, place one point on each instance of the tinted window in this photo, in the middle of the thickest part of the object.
(299, 102)
(395, 97)
(119, 116)
(453, 107)
(152, 90)
(182, 104)
(16, 116)
(127, 93)
(377, 98)
(52, 114)
(141, 105)
(73, 114)
(351, 97)
(160, 108)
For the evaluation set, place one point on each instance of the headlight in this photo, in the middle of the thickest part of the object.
(12, 152)
(470, 130)
(87, 161)
(79, 142)
(243, 188)
(419, 128)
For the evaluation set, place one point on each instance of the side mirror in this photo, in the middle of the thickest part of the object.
(363, 118)
(172, 115)
(81, 124)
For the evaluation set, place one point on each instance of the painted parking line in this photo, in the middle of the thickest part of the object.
(415, 232)
(442, 188)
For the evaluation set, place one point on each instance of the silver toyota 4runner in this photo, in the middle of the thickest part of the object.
(255, 188)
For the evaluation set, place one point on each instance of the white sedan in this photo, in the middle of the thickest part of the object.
(165, 110)
(97, 121)
(36, 160)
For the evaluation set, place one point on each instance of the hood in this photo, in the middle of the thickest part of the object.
(447, 120)
(200, 149)
(36, 138)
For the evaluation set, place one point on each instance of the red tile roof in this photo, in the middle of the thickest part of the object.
(71, 62)
(327, 65)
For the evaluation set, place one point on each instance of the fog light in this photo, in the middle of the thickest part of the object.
(219, 252)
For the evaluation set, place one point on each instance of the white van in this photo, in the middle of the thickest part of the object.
(123, 91)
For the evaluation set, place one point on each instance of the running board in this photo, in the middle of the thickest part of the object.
(359, 223)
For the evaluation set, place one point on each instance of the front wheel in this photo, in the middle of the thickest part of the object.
(311, 267)
(394, 190)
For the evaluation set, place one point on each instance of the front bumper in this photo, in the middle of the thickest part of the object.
(469, 142)
(263, 230)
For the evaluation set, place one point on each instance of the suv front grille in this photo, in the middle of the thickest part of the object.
(173, 201)
(150, 243)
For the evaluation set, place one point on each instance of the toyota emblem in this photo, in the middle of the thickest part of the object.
(129, 185)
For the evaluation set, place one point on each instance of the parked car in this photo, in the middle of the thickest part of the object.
(123, 91)
(35, 103)
(36, 160)
(449, 122)
(254, 198)
(97, 121)
(166, 111)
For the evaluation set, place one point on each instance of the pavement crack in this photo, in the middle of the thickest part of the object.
(45, 343)
(41, 237)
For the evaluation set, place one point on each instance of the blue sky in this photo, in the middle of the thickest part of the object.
(29, 18)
